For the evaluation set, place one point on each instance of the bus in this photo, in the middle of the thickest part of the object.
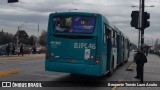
(84, 43)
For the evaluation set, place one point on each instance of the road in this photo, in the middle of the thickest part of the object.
(32, 69)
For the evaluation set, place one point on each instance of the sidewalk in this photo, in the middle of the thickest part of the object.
(151, 69)
(16, 57)
(151, 73)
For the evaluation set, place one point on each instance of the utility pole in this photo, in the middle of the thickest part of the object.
(140, 20)
(17, 36)
(38, 35)
(145, 23)
(142, 24)
(18, 32)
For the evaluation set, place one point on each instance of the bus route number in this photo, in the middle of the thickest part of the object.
(85, 45)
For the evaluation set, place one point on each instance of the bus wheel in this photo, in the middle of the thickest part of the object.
(112, 68)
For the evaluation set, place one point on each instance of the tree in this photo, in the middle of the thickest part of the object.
(32, 40)
(42, 38)
(22, 36)
(5, 37)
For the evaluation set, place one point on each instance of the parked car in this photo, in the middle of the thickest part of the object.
(26, 50)
(41, 49)
(3, 50)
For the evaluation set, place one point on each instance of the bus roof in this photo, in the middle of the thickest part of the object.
(75, 13)
(116, 29)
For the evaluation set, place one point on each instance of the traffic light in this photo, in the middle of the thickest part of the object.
(12, 1)
(135, 18)
(146, 23)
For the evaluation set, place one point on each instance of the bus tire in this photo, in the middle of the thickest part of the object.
(112, 68)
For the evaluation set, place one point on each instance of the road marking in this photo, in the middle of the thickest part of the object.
(114, 88)
(5, 73)
(130, 68)
(21, 57)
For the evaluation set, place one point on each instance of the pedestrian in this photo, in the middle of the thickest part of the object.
(146, 51)
(140, 59)
(34, 50)
(8, 49)
(13, 49)
(21, 50)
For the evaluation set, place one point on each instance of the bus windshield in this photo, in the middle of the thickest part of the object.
(74, 24)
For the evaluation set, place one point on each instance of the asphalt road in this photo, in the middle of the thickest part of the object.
(33, 70)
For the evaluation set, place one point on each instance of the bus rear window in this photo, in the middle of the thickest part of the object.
(74, 24)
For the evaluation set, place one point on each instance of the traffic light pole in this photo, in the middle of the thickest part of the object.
(141, 66)
(139, 23)
(142, 24)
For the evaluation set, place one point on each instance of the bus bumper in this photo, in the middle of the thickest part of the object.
(83, 69)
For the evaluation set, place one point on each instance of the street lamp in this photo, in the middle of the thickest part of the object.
(72, 9)
(18, 32)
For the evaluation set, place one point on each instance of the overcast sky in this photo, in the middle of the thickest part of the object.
(116, 11)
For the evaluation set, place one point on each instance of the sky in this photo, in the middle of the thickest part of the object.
(30, 12)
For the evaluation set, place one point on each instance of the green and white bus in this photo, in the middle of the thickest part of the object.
(84, 43)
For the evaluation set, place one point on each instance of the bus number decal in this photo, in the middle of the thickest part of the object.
(54, 44)
(85, 45)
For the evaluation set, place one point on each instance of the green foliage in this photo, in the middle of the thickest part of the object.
(42, 38)
(32, 40)
(23, 37)
(5, 37)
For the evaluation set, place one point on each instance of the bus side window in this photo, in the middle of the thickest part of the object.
(123, 42)
(109, 34)
(105, 34)
(113, 39)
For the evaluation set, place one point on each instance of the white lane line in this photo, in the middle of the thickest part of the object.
(42, 75)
